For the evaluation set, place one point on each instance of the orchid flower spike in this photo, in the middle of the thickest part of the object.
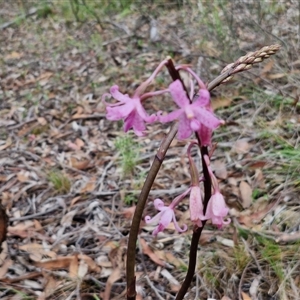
(216, 207)
(191, 116)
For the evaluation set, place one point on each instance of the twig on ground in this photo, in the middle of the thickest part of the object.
(34, 216)
(31, 12)
(288, 237)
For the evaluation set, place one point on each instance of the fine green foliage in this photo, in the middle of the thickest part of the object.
(272, 253)
(61, 182)
(130, 199)
(241, 257)
(83, 10)
(128, 150)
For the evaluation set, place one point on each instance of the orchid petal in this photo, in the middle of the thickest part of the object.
(141, 111)
(130, 110)
(205, 135)
(217, 210)
(149, 220)
(136, 122)
(165, 217)
(117, 113)
(204, 98)
(114, 91)
(184, 129)
(177, 227)
(206, 117)
(171, 116)
(196, 206)
(178, 94)
(159, 204)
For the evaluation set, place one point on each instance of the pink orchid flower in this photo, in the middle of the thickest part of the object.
(196, 206)
(128, 109)
(217, 209)
(191, 116)
(166, 215)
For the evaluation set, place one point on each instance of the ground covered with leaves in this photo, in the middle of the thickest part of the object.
(69, 179)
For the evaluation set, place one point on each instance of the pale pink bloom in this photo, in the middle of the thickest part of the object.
(196, 206)
(217, 210)
(164, 217)
(191, 116)
(128, 109)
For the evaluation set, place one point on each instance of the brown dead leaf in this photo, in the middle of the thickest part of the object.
(7, 144)
(259, 180)
(245, 296)
(170, 258)
(51, 285)
(44, 78)
(147, 251)
(37, 251)
(80, 165)
(3, 178)
(246, 194)
(13, 55)
(220, 102)
(67, 219)
(263, 209)
(79, 143)
(22, 229)
(267, 67)
(128, 212)
(73, 267)
(206, 237)
(257, 164)
(220, 169)
(114, 276)
(80, 116)
(5, 266)
(37, 225)
(241, 146)
(72, 146)
(54, 264)
(89, 187)
(42, 121)
(22, 176)
(276, 76)
(90, 262)
(74, 201)
(82, 269)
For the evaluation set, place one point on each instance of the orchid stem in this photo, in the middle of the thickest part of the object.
(197, 231)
